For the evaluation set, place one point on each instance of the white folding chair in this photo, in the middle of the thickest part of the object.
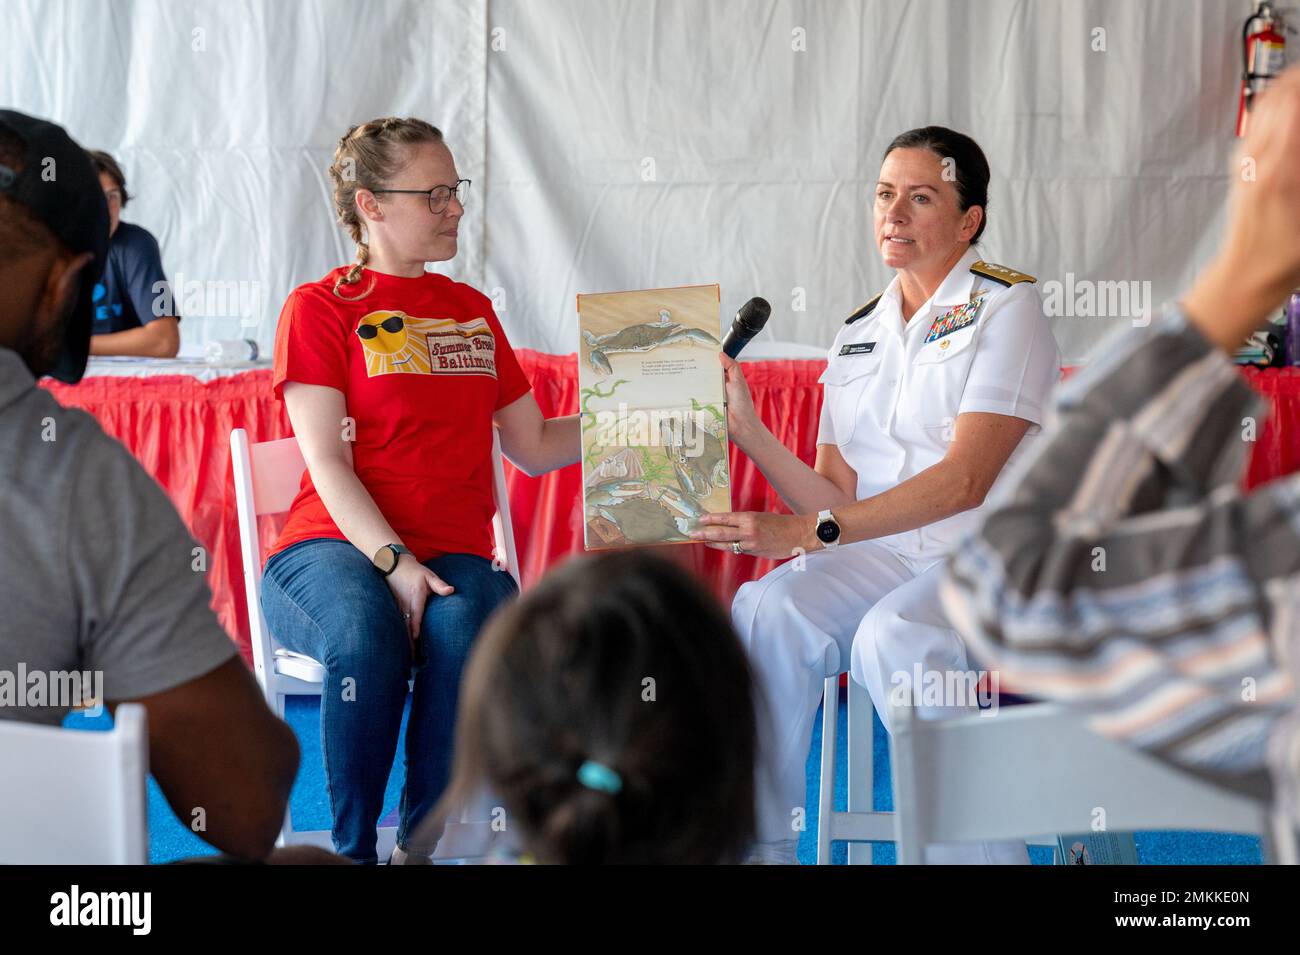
(74, 797)
(267, 478)
(860, 825)
(1037, 769)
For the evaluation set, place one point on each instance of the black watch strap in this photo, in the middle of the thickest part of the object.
(397, 550)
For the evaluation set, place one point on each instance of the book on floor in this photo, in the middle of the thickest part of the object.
(1098, 848)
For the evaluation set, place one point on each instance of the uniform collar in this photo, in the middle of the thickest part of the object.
(955, 289)
(15, 379)
(956, 285)
(889, 303)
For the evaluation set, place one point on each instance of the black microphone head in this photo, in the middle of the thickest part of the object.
(754, 314)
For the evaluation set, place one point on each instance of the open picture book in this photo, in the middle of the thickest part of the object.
(653, 409)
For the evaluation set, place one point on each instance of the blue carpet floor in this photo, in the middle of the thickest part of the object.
(170, 838)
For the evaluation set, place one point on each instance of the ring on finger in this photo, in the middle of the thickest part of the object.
(735, 548)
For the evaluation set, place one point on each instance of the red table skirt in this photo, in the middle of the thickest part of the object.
(179, 429)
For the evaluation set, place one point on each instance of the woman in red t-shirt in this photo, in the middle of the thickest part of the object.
(393, 378)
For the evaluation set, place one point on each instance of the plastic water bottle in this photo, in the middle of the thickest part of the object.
(231, 350)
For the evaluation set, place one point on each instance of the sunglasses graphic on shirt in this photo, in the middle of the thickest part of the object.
(391, 324)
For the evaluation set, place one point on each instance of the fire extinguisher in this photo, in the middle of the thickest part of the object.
(1263, 50)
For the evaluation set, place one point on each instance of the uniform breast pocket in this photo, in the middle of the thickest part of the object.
(939, 375)
(845, 381)
(950, 347)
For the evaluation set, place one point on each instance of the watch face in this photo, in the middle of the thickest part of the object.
(386, 559)
(828, 532)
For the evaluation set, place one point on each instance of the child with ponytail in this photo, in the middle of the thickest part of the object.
(611, 713)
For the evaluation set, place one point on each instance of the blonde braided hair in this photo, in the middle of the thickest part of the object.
(368, 157)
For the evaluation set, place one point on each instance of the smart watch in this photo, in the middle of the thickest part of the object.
(828, 529)
(386, 558)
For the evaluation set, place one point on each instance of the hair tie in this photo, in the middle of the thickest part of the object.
(600, 777)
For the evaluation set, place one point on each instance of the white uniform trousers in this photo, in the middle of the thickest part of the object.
(861, 606)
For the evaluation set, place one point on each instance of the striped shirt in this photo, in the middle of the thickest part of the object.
(1120, 567)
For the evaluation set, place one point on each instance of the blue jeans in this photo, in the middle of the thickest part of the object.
(325, 599)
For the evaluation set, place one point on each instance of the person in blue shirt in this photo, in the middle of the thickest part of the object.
(125, 319)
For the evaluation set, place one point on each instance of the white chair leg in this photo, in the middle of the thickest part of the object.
(909, 844)
(1278, 844)
(277, 704)
(385, 842)
(861, 764)
(826, 803)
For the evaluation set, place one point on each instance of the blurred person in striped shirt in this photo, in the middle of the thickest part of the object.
(1122, 569)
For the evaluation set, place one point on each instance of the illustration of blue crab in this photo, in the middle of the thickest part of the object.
(640, 338)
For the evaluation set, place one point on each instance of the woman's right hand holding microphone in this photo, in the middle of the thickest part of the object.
(742, 418)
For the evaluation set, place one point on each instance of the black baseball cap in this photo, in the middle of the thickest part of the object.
(59, 186)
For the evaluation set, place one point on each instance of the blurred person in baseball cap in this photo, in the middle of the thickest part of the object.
(96, 566)
(54, 228)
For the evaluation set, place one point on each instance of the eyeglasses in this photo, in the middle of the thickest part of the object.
(393, 323)
(439, 196)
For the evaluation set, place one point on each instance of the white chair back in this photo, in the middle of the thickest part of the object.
(75, 797)
(1037, 769)
(268, 476)
(861, 824)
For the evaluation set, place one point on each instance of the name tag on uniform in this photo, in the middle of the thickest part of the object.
(955, 318)
(862, 348)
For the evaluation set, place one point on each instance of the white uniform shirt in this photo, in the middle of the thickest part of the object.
(891, 398)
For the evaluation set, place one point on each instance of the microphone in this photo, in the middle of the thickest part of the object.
(749, 322)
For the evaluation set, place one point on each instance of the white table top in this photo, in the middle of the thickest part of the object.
(120, 367)
(205, 370)
(772, 350)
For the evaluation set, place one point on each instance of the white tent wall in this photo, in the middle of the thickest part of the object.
(618, 145)
(224, 115)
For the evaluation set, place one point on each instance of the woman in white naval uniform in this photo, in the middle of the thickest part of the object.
(929, 390)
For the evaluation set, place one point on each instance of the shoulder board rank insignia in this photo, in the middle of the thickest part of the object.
(864, 311)
(1000, 273)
